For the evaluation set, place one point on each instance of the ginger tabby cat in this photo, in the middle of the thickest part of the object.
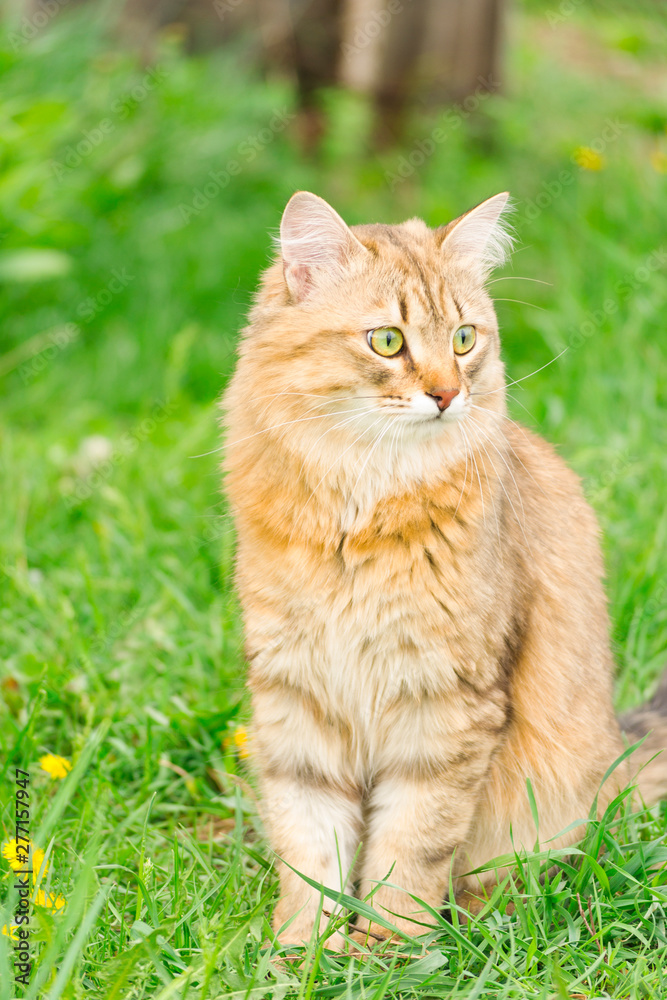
(421, 580)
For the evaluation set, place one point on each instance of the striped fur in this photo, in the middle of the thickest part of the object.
(425, 619)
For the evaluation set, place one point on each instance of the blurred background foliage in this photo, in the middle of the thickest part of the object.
(141, 179)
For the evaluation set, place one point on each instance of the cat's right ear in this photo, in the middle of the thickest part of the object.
(314, 241)
(481, 237)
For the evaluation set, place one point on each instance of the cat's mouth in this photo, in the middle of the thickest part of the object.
(443, 405)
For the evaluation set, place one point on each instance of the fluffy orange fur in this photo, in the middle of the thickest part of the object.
(420, 577)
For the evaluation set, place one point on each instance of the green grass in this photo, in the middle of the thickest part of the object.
(121, 644)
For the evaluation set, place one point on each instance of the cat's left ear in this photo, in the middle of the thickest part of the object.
(481, 237)
(314, 243)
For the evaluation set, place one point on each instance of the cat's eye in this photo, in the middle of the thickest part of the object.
(386, 341)
(464, 339)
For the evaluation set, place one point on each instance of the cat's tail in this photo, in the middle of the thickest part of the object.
(649, 720)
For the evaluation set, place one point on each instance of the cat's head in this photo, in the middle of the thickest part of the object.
(376, 336)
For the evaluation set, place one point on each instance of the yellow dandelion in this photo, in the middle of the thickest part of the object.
(54, 765)
(238, 741)
(25, 856)
(659, 161)
(241, 742)
(587, 158)
(49, 900)
(16, 854)
(9, 931)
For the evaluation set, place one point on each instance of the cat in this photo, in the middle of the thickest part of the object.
(420, 578)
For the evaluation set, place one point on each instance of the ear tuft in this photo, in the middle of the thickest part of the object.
(482, 235)
(314, 241)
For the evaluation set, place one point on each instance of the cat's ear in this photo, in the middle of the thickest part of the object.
(481, 236)
(314, 241)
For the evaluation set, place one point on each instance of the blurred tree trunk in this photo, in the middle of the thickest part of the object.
(399, 52)
(304, 37)
(424, 51)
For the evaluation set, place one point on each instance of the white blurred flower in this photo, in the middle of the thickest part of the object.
(93, 452)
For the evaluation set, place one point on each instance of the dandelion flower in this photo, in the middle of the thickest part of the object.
(659, 161)
(9, 931)
(587, 158)
(49, 900)
(21, 856)
(238, 741)
(241, 742)
(54, 765)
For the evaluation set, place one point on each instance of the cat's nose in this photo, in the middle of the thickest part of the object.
(443, 397)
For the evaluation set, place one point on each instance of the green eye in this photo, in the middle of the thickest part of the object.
(386, 340)
(464, 339)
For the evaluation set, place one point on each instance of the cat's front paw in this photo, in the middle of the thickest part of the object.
(368, 935)
(471, 904)
(293, 938)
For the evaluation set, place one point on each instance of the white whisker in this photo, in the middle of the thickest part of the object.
(521, 302)
(516, 381)
(502, 484)
(489, 439)
(495, 515)
(518, 277)
(372, 449)
(523, 407)
(481, 491)
(285, 423)
(509, 443)
(288, 392)
(399, 434)
(341, 423)
(465, 474)
(338, 458)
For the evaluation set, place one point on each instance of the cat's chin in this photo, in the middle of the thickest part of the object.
(433, 427)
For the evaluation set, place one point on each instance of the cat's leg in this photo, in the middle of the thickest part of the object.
(420, 810)
(565, 770)
(563, 737)
(416, 826)
(316, 830)
(312, 808)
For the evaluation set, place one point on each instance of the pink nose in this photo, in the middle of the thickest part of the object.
(443, 397)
